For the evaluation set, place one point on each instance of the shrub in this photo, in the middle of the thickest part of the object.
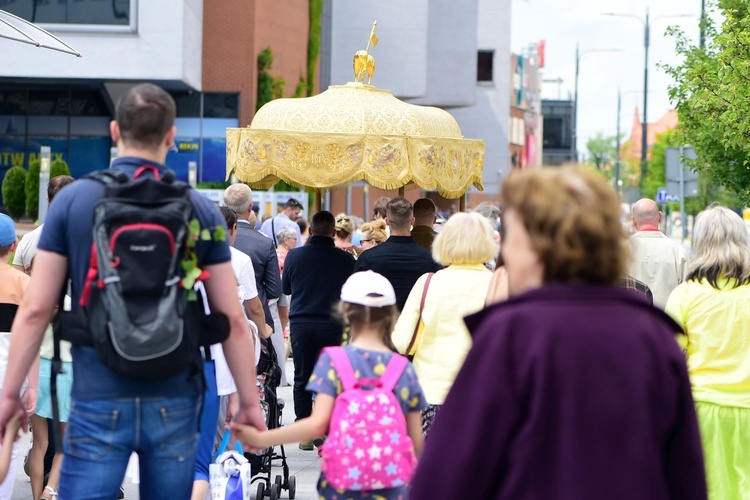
(58, 167)
(14, 194)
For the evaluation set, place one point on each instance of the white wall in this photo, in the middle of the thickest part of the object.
(401, 57)
(166, 46)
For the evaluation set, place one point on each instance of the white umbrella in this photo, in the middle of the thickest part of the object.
(19, 30)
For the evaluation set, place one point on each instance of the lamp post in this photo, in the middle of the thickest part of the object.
(646, 43)
(45, 161)
(579, 55)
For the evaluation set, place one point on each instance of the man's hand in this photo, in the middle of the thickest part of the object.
(269, 332)
(10, 406)
(29, 401)
(249, 415)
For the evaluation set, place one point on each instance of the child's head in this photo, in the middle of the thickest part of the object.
(368, 300)
(7, 235)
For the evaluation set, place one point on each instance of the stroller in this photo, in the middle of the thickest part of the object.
(269, 379)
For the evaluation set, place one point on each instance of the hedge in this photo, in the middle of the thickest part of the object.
(14, 194)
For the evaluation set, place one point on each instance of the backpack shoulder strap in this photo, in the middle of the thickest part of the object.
(108, 177)
(343, 367)
(393, 371)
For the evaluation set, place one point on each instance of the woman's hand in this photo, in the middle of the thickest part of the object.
(250, 436)
(29, 400)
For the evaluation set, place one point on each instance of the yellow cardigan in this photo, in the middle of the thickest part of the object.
(454, 292)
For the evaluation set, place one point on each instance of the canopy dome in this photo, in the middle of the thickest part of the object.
(356, 108)
(355, 132)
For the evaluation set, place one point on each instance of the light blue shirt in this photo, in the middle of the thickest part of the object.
(281, 220)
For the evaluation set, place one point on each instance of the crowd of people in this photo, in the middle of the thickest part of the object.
(549, 355)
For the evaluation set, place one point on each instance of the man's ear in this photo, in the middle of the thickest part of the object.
(309, 230)
(169, 138)
(413, 220)
(635, 224)
(387, 222)
(114, 131)
(434, 219)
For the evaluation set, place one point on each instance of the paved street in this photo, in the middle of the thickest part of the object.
(305, 465)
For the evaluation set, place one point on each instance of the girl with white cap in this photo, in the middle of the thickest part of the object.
(368, 307)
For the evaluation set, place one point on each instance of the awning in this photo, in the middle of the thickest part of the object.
(19, 30)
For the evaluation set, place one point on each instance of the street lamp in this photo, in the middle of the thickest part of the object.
(574, 142)
(647, 35)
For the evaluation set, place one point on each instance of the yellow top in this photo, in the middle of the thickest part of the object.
(454, 292)
(717, 324)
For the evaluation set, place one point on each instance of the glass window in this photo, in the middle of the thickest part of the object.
(13, 102)
(49, 102)
(220, 105)
(188, 104)
(484, 65)
(74, 12)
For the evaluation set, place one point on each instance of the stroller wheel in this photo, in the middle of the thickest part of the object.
(292, 487)
(278, 481)
(261, 491)
(273, 492)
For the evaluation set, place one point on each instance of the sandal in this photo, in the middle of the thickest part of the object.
(50, 493)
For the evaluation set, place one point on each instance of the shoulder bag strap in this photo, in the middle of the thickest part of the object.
(273, 234)
(343, 366)
(415, 335)
(393, 371)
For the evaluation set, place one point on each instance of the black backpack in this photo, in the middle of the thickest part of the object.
(134, 308)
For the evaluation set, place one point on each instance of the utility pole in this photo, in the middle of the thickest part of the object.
(644, 131)
(617, 149)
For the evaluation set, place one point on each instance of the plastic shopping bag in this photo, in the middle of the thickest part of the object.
(230, 474)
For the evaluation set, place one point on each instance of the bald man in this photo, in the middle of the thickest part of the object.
(654, 258)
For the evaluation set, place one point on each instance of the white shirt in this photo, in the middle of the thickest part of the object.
(26, 249)
(243, 269)
(657, 261)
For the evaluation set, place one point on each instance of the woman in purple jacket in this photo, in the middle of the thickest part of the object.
(573, 389)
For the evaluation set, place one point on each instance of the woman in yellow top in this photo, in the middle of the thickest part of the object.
(464, 244)
(713, 307)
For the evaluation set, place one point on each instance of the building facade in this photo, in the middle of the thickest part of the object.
(203, 52)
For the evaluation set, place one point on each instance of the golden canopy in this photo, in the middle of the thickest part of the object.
(355, 132)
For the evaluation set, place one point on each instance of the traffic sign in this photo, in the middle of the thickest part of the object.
(661, 195)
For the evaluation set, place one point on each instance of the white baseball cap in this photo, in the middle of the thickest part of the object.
(368, 288)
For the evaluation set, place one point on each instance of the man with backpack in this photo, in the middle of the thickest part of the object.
(137, 387)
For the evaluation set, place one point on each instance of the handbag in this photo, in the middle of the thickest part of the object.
(417, 335)
(230, 474)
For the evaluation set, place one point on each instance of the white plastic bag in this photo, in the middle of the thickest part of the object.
(230, 474)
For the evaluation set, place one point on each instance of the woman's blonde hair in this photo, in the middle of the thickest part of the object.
(720, 248)
(465, 239)
(376, 229)
(572, 216)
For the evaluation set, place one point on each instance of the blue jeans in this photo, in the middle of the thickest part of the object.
(102, 434)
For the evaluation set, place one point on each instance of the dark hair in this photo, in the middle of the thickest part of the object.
(424, 208)
(399, 213)
(302, 223)
(5, 250)
(383, 317)
(229, 215)
(323, 223)
(292, 203)
(145, 114)
(380, 207)
(56, 184)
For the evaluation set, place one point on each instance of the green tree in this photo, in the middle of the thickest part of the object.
(14, 193)
(269, 87)
(58, 167)
(656, 176)
(313, 43)
(711, 91)
(602, 153)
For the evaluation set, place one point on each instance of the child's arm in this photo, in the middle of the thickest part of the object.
(414, 426)
(302, 430)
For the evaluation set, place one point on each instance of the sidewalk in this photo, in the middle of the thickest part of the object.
(304, 465)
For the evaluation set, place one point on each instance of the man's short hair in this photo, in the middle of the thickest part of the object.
(424, 208)
(56, 184)
(380, 207)
(145, 114)
(323, 223)
(238, 197)
(230, 216)
(400, 212)
(292, 203)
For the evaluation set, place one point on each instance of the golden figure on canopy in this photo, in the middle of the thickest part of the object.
(364, 63)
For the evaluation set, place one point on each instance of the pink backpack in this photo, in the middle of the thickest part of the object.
(368, 446)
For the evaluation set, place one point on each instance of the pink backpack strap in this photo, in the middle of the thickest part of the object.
(343, 366)
(393, 371)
